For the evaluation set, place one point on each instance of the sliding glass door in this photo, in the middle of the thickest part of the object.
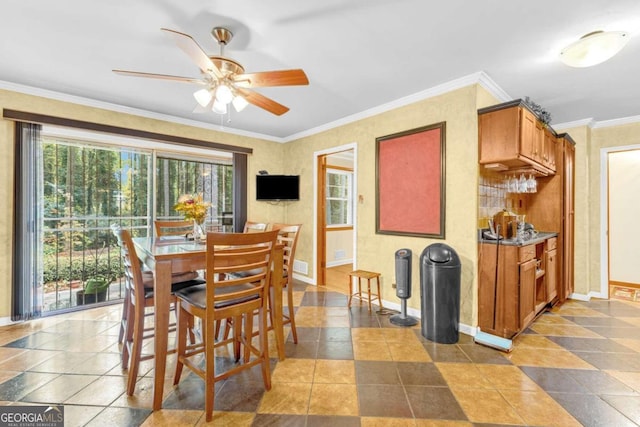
(86, 187)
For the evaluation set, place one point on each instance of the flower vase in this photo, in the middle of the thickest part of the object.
(198, 232)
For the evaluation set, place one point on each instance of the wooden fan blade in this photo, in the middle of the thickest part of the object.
(295, 77)
(159, 76)
(194, 51)
(263, 102)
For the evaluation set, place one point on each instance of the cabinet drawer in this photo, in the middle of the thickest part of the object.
(552, 243)
(526, 253)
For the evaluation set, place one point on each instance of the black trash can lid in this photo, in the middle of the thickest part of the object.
(441, 254)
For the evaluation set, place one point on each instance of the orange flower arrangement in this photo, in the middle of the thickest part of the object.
(192, 207)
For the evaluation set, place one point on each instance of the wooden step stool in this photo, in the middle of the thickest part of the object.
(363, 274)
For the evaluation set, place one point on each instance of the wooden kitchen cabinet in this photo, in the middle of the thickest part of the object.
(512, 137)
(551, 275)
(549, 149)
(527, 297)
(514, 284)
(552, 209)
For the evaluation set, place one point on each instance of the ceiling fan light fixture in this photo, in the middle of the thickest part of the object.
(224, 94)
(594, 48)
(239, 103)
(219, 107)
(203, 96)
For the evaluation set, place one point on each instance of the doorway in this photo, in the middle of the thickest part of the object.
(335, 215)
(623, 180)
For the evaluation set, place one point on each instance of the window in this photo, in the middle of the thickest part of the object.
(339, 198)
(86, 186)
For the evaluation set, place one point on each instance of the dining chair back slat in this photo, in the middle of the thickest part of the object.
(173, 228)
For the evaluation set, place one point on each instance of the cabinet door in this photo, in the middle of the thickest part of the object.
(550, 275)
(528, 131)
(549, 150)
(527, 292)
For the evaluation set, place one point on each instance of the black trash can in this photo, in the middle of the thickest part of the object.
(440, 293)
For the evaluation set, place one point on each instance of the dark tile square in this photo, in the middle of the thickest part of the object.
(335, 334)
(615, 332)
(278, 420)
(446, 352)
(383, 401)
(417, 373)
(599, 382)
(188, 394)
(361, 318)
(434, 403)
(306, 334)
(333, 421)
(602, 345)
(375, 372)
(612, 361)
(302, 350)
(599, 321)
(239, 396)
(591, 411)
(17, 387)
(337, 350)
(554, 380)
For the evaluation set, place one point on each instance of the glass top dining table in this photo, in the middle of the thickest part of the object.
(175, 255)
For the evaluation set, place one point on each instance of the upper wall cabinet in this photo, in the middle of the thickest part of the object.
(512, 139)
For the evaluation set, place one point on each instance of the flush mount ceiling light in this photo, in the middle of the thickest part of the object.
(594, 48)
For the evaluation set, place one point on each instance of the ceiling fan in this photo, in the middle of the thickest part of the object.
(224, 80)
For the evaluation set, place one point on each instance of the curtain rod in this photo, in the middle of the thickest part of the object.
(22, 116)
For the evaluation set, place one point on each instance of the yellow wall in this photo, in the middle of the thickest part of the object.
(375, 251)
(588, 198)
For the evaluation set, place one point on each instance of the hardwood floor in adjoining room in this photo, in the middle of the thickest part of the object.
(578, 364)
(337, 278)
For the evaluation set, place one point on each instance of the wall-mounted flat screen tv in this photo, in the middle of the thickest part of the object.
(277, 187)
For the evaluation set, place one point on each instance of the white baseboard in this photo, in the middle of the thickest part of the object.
(462, 327)
(305, 279)
(338, 262)
(587, 297)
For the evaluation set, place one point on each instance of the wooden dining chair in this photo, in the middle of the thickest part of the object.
(138, 301)
(288, 236)
(255, 227)
(188, 278)
(228, 296)
(173, 228)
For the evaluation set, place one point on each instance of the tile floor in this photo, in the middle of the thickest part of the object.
(576, 365)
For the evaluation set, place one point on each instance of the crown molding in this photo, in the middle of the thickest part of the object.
(616, 122)
(492, 87)
(87, 102)
(400, 102)
(574, 124)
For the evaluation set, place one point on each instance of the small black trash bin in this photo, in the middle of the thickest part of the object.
(440, 293)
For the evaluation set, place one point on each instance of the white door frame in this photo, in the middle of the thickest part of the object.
(604, 217)
(352, 146)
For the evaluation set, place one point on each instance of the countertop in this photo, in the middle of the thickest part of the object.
(541, 237)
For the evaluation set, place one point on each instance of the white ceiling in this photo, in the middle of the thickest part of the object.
(359, 55)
